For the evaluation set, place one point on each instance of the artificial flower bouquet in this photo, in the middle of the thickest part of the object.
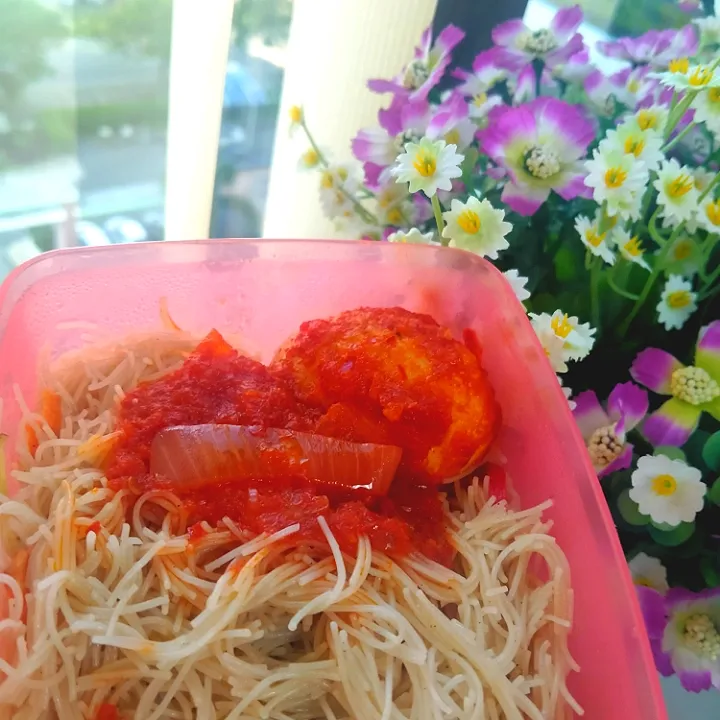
(595, 191)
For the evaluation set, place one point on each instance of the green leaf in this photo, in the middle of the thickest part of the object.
(629, 510)
(670, 536)
(674, 453)
(711, 451)
(565, 264)
(710, 572)
(714, 492)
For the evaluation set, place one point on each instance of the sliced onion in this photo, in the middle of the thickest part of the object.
(190, 456)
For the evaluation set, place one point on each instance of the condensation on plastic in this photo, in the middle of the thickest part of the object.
(264, 289)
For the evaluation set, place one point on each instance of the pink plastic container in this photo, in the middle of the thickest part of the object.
(265, 289)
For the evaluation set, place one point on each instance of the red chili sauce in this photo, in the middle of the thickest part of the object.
(106, 711)
(218, 385)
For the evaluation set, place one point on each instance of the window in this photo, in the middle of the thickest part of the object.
(84, 88)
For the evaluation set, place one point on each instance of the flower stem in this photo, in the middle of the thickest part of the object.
(437, 210)
(711, 278)
(621, 291)
(361, 210)
(654, 274)
(679, 137)
(595, 291)
(676, 114)
(707, 190)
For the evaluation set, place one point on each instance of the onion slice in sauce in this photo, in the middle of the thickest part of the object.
(191, 456)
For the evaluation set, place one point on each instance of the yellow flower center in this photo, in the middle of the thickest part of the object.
(594, 238)
(469, 222)
(342, 174)
(633, 247)
(615, 177)
(480, 99)
(700, 77)
(679, 299)
(693, 385)
(712, 210)
(644, 582)
(561, 325)
(680, 186)
(634, 146)
(633, 86)
(701, 636)
(310, 158)
(326, 180)
(679, 65)
(296, 114)
(604, 446)
(682, 250)
(425, 163)
(714, 95)
(394, 216)
(664, 485)
(646, 119)
(452, 138)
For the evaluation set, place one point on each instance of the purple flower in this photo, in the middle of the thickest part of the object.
(402, 122)
(631, 85)
(694, 389)
(553, 45)
(655, 47)
(487, 71)
(576, 69)
(604, 431)
(542, 145)
(683, 628)
(600, 92)
(426, 69)
(524, 87)
(451, 122)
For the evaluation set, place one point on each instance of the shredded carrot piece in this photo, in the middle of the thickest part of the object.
(51, 410)
(96, 449)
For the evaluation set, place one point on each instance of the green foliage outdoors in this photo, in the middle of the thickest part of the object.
(136, 27)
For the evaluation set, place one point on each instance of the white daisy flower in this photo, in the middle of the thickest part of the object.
(428, 166)
(677, 302)
(567, 392)
(517, 283)
(677, 194)
(594, 241)
(476, 226)
(709, 215)
(335, 203)
(707, 109)
(309, 160)
(651, 119)
(630, 248)
(629, 139)
(412, 236)
(709, 28)
(481, 104)
(615, 177)
(347, 175)
(297, 117)
(683, 257)
(669, 491)
(338, 184)
(553, 346)
(681, 75)
(577, 338)
(649, 572)
(703, 178)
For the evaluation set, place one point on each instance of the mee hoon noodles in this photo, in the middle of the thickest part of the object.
(123, 610)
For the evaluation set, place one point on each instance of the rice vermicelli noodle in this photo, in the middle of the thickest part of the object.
(120, 609)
